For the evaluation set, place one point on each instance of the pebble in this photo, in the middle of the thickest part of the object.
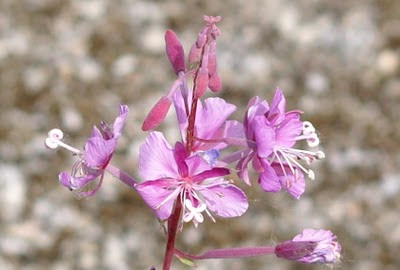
(12, 192)
(71, 119)
(388, 62)
(124, 65)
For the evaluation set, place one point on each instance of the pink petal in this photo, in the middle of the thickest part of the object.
(180, 155)
(294, 186)
(242, 167)
(120, 120)
(288, 130)
(197, 165)
(264, 136)
(156, 192)
(255, 108)
(225, 200)
(268, 180)
(214, 172)
(98, 151)
(156, 158)
(181, 112)
(95, 133)
(175, 51)
(230, 131)
(277, 110)
(212, 116)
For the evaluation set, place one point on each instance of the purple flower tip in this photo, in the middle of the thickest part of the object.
(311, 246)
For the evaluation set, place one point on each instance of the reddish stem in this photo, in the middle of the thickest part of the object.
(190, 129)
(173, 220)
(173, 223)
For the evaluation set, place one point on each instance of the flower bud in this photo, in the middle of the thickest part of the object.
(175, 51)
(311, 246)
(157, 114)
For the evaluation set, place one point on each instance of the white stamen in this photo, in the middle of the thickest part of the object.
(313, 140)
(308, 128)
(320, 155)
(51, 143)
(54, 141)
(311, 174)
(194, 213)
(56, 134)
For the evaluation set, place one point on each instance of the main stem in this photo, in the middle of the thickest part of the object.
(173, 220)
(173, 223)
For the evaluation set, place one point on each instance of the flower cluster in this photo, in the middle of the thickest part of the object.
(193, 179)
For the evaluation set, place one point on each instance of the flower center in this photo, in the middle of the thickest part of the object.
(291, 156)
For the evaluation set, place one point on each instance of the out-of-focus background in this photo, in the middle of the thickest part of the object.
(69, 64)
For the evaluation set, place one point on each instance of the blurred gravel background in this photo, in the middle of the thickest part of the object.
(68, 64)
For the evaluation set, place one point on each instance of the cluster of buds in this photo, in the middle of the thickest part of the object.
(187, 182)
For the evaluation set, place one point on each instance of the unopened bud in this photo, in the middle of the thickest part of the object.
(157, 114)
(201, 82)
(215, 83)
(175, 51)
(194, 54)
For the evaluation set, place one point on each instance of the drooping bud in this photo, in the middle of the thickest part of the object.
(202, 78)
(201, 81)
(157, 114)
(201, 38)
(311, 246)
(194, 54)
(212, 58)
(215, 83)
(174, 51)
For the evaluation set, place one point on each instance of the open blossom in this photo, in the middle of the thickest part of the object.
(271, 133)
(212, 125)
(311, 246)
(171, 174)
(94, 158)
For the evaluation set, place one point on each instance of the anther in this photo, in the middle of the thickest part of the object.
(308, 128)
(311, 174)
(320, 155)
(56, 134)
(313, 140)
(51, 143)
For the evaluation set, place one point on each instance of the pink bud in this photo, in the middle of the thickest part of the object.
(194, 54)
(175, 51)
(215, 83)
(212, 58)
(157, 114)
(202, 38)
(201, 82)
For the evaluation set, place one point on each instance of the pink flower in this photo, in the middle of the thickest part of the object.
(271, 133)
(311, 246)
(95, 157)
(171, 174)
(211, 122)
